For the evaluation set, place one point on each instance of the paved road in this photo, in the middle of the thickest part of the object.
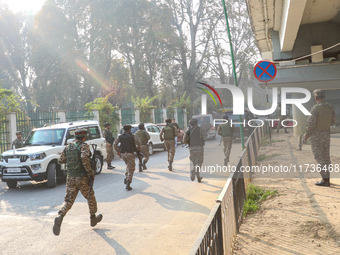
(163, 214)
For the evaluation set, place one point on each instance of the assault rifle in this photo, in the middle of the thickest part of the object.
(93, 167)
(139, 154)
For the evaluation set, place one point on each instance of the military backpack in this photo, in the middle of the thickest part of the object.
(73, 160)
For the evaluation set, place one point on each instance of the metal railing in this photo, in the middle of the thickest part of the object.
(228, 212)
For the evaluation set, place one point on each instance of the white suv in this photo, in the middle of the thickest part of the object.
(38, 160)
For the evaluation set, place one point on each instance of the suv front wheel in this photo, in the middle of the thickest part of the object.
(99, 164)
(52, 175)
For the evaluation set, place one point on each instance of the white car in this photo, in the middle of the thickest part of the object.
(154, 131)
(38, 160)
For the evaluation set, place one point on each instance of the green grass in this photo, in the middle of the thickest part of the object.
(256, 195)
(266, 142)
(261, 157)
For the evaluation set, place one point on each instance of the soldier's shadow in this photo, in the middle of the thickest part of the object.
(113, 243)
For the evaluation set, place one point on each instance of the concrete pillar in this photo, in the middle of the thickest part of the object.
(299, 116)
(204, 104)
(119, 125)
(96, 115)
(185, 118)
(153, 119)
(175, 115)
(164, 114)
(62, 116)
(11, 127)
(137, 117)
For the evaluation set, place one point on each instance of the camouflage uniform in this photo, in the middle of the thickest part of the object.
(144, 148)
(107, 134)
(227, 142)
(129, 158)
(320, 140)
(78, 183)
(17, 143)
(196, 152)
(169, 144)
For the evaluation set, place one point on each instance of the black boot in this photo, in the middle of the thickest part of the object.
(128, 185)
(125, 181)
(57, 223)
(144, 166)
(192, 174)
(109, 166)
(199, 178)
(226, 162)
(323, 182)
(170, 166)
(286, 131)
(95, 219)
(140, 168)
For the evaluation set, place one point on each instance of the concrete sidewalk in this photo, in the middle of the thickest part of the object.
(303, 218)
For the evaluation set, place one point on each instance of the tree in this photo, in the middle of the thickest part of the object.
(145, 106)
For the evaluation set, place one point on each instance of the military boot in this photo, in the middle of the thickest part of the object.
(95, 219)
(192, 174)
(144, 166)
(323, 182)
(140, 168)
(226, 162)
(170, 166)
(109, 166)
(199, 178)
(128, 185)
(57, 223)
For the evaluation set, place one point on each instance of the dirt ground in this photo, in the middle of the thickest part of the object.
(302, 218)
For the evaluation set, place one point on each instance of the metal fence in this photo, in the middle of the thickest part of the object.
(180, 117)
(79, 115)
(159, 116)
(29, 120)
(220, 230)
(128, 116)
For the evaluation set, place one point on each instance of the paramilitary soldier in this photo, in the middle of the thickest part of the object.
(18, 142)
(226, 132)
(109, 144)
(281, 118)
(128, 143)
(195, 137)
(77, 158)
(318, 129)
(169, 132)
(144, 137)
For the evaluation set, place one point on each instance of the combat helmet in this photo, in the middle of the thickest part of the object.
(80, 133)
(107, 124)
(18, 133)
(319, 93)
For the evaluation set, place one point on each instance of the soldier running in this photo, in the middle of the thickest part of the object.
(318, 129)
(195, 137)
(109, 144)
(128, 142)
(144, 137)
(169, 132)
(77, 158)
(18, 142)
(226, 132)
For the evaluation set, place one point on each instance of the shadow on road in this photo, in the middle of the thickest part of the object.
(114, 244)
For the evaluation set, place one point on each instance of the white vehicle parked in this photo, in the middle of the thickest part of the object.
(154, 131)
(38, 160)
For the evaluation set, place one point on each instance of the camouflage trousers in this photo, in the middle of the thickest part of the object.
(144, 149)
(170, 147)
(129, 159)
(197, 155)
(320, 142)
(110, 156)
(73, 186)
(227, 143)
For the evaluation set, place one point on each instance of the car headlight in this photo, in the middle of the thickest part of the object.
(37, 156)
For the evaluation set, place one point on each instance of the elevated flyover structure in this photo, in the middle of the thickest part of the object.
(303, 38)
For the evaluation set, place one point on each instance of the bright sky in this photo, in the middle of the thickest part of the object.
(24, 5)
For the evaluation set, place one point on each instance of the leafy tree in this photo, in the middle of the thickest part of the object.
(106, 111)
(145, 106)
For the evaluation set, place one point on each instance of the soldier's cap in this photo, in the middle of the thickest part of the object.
(127, 127)
(141, 126)
(193, 122)
(168, 120)
(18, 133)
(80, 132)
(107, 124)
(319, 93)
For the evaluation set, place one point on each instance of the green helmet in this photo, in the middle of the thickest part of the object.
(319, 93)
(80, 133)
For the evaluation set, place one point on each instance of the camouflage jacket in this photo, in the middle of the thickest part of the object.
(312, 119)
(85, 155)
(18, 143)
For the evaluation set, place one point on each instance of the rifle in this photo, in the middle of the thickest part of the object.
(93, 167)
(139, 154)
(301, 143)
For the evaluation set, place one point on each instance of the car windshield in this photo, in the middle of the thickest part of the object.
(200, 120)
(133, 130)
(45, 137)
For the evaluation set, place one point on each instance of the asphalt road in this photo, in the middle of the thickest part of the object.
(163, 214)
